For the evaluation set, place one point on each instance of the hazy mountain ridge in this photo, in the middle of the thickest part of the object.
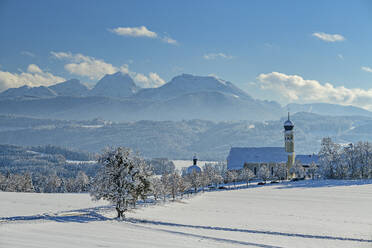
(71, 87)
(180, 139)
(28, 92)
(116, 97)
(328, 109)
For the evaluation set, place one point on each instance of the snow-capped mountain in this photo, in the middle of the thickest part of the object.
(71, 87)
(116, 85)
(116, 97)
(186, 84)
(28, 92)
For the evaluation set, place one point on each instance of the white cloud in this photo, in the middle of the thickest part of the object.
(366, 68)
(329, 37)
(340, 56)
(294, 88)
(134, 32)
(26, 53)
(93, 68)
(61, 55)
(210, 56)
(87, 66)
(153, 80)
(142, 32)
(34, 76)
(169, 40)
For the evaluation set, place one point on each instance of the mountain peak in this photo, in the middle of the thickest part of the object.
(72, 87)
(117, 85)
(187, 83)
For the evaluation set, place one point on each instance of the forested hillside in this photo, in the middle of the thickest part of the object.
(181, 139)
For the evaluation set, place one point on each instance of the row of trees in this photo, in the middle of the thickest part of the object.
(125, 178)
(345, 161)
(41, 183)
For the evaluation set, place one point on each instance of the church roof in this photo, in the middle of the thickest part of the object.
(240, 155)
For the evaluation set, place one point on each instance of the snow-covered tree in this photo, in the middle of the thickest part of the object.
(156, 187)
(183, 186)
(81, 182)
(213, 173)
(174, 184)
(264, 173)
(280, 172)
(3, 182)
(165, 182)
(297, 169)
(330, 157)
(232, 176)
(194, 179)
(246, 175)
(123, 178)
(27, 185)
(312, 170)
(52, 183)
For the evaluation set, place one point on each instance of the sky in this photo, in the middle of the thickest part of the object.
(288, 51)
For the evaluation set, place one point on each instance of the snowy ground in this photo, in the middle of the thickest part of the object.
(301, 214)
(179, 164)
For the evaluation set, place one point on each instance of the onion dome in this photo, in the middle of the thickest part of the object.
(288, 124)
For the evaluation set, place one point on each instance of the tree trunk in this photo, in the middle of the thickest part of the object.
(120, 213)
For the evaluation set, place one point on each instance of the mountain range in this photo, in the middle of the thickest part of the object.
(116, 97)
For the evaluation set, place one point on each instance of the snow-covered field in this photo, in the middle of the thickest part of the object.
(179, 164)
(301, 214)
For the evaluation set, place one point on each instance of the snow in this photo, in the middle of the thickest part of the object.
(179, 164)
(92, 126)
(299, 214)
(22, 204)
(77, 162)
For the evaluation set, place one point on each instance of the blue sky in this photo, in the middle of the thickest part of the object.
(276, 50)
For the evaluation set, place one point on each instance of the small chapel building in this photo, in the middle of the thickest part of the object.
(194, 167)
(272, 157)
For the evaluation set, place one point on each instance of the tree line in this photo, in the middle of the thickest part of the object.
(345, 161)
(44, 183)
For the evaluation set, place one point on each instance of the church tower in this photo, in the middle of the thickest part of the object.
(289, 143)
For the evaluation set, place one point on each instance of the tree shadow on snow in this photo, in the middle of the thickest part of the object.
(296, 235)
(322, 183)
(78, 216)
(230, 241)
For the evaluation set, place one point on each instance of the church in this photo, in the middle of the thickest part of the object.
(273, 157)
